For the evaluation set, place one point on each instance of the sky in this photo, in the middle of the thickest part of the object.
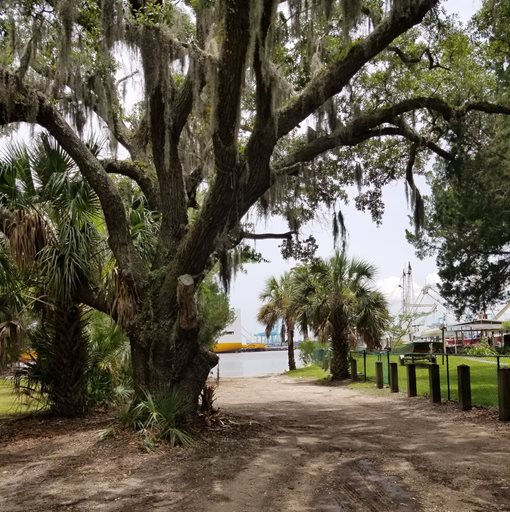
(384, 246)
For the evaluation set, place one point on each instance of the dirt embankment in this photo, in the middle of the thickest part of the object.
(289, 445)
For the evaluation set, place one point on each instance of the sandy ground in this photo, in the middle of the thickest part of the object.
(287, 445)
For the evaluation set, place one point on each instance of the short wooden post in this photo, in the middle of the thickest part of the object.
(379, 375)
(411, 380)
(394, 377)
(504, 393)
(354, 369)
(434, 383)
(464, 385)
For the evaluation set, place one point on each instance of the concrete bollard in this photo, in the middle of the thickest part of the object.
(379, 375)
(464, 385)
(411, 380)
(394, 377)
(354, 369)
(434, 384)
(504, 393)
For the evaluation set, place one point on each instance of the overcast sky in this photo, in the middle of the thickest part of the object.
(384, 246)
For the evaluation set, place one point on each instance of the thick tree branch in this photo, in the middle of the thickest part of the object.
(194, 250)
(365, 126)
(147, 185)
(231, 69)
(483, 106)
(405, 57)
(95, 299)
(322, 144)
(184, 102)
(404, 15)
(262, 140)
(266, 236)
(161, 93)
(413, 136)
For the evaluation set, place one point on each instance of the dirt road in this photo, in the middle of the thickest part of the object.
(292, 445)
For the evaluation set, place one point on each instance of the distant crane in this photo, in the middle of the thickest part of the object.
(410, 306)
(502, 311)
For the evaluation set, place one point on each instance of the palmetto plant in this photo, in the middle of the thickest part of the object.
(52, 230)
(12, 306)
(160, 416)
(109, 363)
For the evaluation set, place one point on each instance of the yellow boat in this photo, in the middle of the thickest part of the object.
(227, 346)
(254, 346)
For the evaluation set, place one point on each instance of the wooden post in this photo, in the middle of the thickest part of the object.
(354, 369)
(379, 374)
(394, 377)
(411, 380)
(434, 384)
(504, 393)
(464, 386)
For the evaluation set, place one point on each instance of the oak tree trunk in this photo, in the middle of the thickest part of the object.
(165, 349)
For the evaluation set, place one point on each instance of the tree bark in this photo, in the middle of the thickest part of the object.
(290, 348)
(165, 349)
(63, 363)
(340, 352)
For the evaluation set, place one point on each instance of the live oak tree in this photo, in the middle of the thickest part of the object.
(241, 100)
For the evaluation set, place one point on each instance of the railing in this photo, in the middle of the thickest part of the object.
(484, 372)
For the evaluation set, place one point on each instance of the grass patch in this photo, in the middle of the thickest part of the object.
(311, 372)
(8, 401)
(484, 383)
(10, 405)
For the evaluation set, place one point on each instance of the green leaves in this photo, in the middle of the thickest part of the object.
(160, 416)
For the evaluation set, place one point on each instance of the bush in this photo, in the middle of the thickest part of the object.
(109, 362)
(482, 349)
(315, 352)
(306, 350)
(160, 416)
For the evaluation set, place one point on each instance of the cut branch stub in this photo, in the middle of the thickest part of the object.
(188, 312)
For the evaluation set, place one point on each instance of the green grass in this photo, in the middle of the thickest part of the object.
(483, 377)
(10, 405)
(310, 372)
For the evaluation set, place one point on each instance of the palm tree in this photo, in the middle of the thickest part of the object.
(52, 228)
(279, 305)
(303, 286)
(340, 284)
(373, 318)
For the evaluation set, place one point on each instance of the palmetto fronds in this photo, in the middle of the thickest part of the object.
(28, 232)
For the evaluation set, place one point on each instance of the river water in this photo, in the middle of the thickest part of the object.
(253, 364)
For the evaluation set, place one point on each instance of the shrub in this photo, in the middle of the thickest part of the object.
(482, 349)
(109, 362)
(160, 416)
(306, 350)
(315, 352)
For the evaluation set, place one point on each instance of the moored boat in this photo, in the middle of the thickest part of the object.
(254, 347)
(227, 346)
